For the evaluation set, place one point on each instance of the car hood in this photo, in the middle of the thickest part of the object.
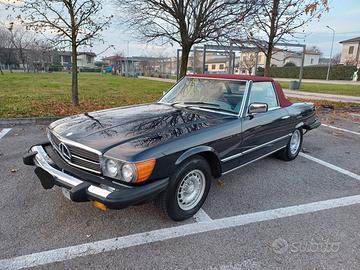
(143, 125)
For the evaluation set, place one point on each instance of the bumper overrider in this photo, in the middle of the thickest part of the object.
(81, 190)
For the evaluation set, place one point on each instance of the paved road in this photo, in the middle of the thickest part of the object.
(292, 93)
(269, 215)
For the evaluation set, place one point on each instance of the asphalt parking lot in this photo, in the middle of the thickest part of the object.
(271, 214)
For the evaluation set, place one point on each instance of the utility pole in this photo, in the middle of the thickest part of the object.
(332, 46)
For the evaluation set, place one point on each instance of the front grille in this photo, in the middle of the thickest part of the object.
(83, 153)
(80, 157)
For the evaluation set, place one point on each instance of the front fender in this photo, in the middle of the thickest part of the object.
(195, 150)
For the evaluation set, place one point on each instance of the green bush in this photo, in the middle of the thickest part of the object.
(289, 64)
(260, 71)
(83, 69)
(337, 72)
(56, 67)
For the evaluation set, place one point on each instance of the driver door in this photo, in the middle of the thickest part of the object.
(263, 132)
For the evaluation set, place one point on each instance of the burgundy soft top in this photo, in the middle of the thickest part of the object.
(284, 102)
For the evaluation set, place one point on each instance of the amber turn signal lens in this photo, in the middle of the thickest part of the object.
(144, 170)
(100, 206)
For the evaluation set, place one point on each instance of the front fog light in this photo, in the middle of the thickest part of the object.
(111, 168)
(128, 172)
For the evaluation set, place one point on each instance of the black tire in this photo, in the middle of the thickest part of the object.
(168, 201)
(286, 154)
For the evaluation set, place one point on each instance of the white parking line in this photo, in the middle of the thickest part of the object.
(341, 129)
(68, 253)
(201, 216)
(331, 166)
(4, 132)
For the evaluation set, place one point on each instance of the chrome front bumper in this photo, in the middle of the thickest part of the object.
(43, 161)
(83, 190)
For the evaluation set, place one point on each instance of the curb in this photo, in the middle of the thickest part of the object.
(28, 121)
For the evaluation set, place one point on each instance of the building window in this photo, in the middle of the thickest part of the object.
(66, 58)
(213, 67)
(221, 66)
(312, 61)
(351, 49)
(88, 59)
(259, 57)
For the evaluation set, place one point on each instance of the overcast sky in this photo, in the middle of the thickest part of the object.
(344, 17)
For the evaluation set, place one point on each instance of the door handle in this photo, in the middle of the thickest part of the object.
(285, 117)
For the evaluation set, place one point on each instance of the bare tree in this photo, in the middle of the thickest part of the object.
(186, 22)
(279, 19)
(5, 41)
(248, 62)
(22, 40)
(72, 23)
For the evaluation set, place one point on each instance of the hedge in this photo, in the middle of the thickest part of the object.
(84, 69)
(337, 72)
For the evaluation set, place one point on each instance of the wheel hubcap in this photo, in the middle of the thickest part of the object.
(295, 142)
(191, 190)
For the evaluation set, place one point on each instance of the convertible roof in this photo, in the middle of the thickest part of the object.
(234, 77)
(284, 102)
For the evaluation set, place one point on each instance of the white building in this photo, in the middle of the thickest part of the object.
(350, 54)
(85, 59)
(311, 58)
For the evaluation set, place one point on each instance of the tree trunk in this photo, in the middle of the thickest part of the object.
(272, 35)
(184, 60)
(268, 58)
(74, 76)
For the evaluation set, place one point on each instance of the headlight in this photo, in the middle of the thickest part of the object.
(128, 172)
(111, 168)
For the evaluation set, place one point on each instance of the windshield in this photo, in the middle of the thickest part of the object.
(214, 94)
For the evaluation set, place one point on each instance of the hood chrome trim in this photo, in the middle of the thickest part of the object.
(76, 144)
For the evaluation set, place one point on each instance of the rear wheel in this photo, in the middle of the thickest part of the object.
(292, 149)
(188, 189)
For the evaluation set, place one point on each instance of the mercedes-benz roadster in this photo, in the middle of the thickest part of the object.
(205, 126)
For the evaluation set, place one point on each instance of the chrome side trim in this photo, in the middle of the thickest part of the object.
(274, 108)
(41, 161)
(255, 148)
(98, 191)
(247, 163)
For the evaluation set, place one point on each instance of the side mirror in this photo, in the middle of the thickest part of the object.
(258, 108)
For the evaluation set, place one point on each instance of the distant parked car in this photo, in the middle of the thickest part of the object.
(205, 126)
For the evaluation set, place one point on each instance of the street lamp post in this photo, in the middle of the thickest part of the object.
(331, 51)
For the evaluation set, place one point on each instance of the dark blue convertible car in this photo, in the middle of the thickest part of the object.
(205, 126)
